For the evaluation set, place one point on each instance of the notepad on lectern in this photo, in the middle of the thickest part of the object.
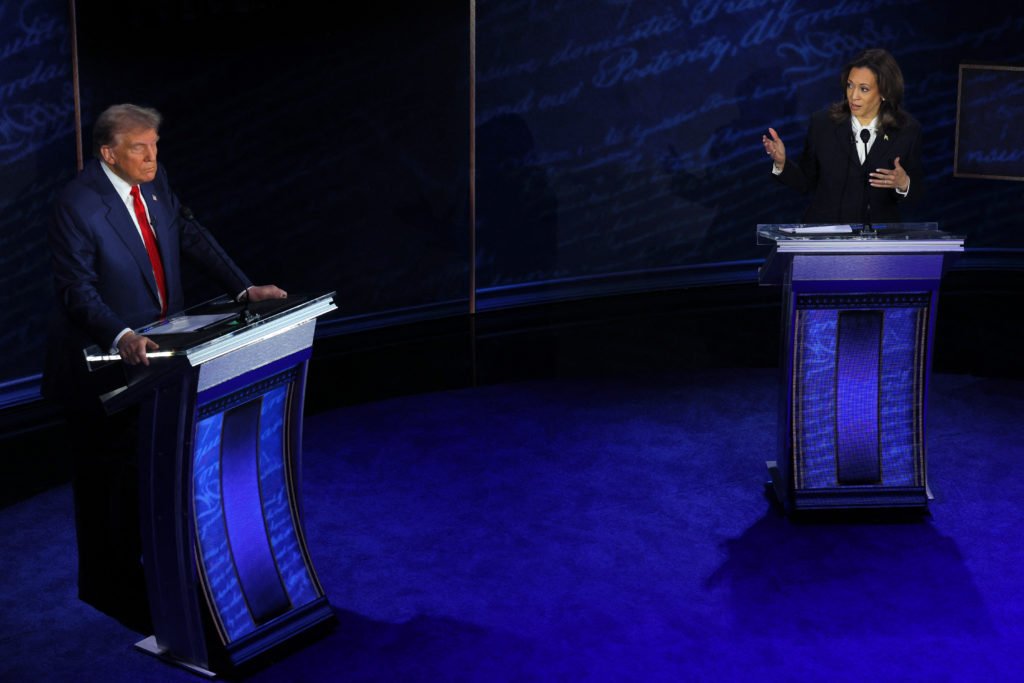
(184, 323)
(817, 229)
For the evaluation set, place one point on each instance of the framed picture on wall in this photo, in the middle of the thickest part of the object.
(989, 135)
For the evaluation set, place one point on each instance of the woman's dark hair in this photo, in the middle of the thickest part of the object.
(890, 86)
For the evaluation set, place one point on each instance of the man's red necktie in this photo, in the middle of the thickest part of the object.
(154, 255)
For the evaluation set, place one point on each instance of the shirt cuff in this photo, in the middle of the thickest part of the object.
(117, 339)
(900, 192)
(775, 169)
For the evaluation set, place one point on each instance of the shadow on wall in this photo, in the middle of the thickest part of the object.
(730, 179)
(517, 210)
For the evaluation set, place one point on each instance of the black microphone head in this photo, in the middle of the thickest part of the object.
(186, 213)
(865, 135)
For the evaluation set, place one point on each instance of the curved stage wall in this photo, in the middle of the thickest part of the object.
(616, 143)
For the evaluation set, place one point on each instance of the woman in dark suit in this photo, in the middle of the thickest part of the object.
(862, 156)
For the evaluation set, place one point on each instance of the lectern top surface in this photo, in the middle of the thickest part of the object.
(217, 326)
(776, 233)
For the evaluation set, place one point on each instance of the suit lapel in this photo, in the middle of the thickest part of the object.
(878, 157)
(844, 139)
(158, 213)
(121, 224)
(880, 151)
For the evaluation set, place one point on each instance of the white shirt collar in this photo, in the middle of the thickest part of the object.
(122, 187)
(857, 126)
(124, 190)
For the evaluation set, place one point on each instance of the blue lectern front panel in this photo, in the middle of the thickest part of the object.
(859, 368)
(277, 507)
(215, 551)
(253, 562)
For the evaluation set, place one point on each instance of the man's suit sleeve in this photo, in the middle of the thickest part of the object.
(72, 249)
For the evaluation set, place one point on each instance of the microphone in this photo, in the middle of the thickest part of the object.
(865, 136)
(186, 214)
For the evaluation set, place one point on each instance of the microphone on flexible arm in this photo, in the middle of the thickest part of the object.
(865, 136)
(186, 214)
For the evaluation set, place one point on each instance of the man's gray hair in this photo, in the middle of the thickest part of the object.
(121, 118)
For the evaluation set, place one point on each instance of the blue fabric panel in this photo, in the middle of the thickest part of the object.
(214, 550)
(902, 396)
(277, 504)
(815, 398)
(243, 513)
(857, 386)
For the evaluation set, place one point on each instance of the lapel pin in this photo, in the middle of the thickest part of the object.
(884, 137)
(155, 199)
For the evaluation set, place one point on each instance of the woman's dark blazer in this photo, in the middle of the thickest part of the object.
(830, 170)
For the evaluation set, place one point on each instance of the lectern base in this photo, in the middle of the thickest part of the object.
(906, 497)
(150, 646)
(775, 483)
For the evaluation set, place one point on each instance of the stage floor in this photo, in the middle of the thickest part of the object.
(602, 528)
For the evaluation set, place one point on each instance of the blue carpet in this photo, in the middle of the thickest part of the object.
(599, 530)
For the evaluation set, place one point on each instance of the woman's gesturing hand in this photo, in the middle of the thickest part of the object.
(774, 147)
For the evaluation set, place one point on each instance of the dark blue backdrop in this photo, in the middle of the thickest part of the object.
(633, 128)
(37, 156)
(617, 142)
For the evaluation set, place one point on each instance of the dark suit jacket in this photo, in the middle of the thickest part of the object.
(103, 278)
(830, 170)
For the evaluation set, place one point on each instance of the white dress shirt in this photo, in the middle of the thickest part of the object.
(124, 191)
(872, 128)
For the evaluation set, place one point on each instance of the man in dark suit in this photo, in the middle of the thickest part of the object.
(862, 157)
(117, 243)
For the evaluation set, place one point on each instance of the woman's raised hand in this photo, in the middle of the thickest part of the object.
(774, 147)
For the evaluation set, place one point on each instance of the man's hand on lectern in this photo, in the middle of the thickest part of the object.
(264, 292)
(133, 348)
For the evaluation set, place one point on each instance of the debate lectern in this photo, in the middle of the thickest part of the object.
(858, 319)
(228, 573)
